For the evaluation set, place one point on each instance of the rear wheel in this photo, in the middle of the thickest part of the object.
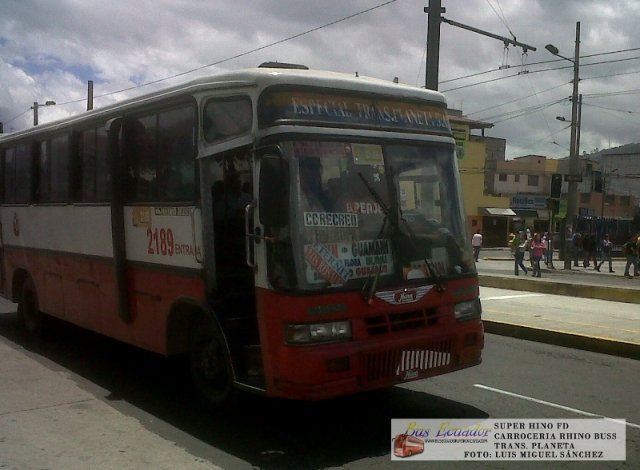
(28, 311)
(210, 365)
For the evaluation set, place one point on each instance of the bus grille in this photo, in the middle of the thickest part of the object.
(406, 362)
(383, 324)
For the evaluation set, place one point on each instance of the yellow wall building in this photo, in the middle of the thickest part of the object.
(486, 213)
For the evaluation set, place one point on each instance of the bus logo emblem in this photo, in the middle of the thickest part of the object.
(403, 296)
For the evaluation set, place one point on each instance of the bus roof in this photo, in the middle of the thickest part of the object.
(248, 78)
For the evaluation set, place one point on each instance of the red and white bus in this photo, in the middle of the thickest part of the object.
(297, 233)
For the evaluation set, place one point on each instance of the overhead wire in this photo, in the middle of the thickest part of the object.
(236, 56)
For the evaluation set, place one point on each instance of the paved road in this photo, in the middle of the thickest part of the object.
(58, 420)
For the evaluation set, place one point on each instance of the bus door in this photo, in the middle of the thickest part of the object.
(227, 202)
(231, 193)
(2, 274)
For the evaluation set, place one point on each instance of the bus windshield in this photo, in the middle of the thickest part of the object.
(362, 211)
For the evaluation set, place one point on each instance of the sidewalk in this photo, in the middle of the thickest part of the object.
(622, 338)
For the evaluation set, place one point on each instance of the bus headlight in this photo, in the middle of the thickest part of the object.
(309, 333)
(468, 310)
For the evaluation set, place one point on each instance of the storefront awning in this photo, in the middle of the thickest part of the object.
(531, 213)
(499, 211)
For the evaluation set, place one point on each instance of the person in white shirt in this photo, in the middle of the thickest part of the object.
(476, 243)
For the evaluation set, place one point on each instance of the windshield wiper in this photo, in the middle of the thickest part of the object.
(434, 274)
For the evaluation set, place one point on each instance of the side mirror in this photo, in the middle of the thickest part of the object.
(273, 193)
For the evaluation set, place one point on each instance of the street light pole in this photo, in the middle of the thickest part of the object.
(574, 172)
(572, 203)
(35, 107)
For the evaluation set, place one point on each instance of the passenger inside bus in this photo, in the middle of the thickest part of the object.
(314, 197)
(229, 203)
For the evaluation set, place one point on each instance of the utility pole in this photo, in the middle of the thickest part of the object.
(574, 176)
(35, 107)
(434, 10)
(89, 95)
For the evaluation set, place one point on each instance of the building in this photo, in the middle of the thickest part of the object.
(502, 195)
(485, 212)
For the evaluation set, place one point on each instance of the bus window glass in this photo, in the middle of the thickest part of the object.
(364, 210)
(225, 118)
(96, 172)
(176, 171)
(9, 175)
(23, 174)
(87, 155)
(60, 169)
(43, 183)
(103, 169)
(141, 154)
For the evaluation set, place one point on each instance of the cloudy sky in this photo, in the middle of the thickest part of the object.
(49, 49)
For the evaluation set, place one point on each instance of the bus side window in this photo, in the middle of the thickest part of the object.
(227, 117)
(176, 157)
(94, 173)
(60, 168)
(23, 177)
(140, 153)
(9, 173)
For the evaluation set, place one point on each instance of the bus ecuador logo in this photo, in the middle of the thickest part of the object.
(405, 445)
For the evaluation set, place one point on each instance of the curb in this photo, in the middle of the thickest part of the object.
(560, 338)
(615, 294)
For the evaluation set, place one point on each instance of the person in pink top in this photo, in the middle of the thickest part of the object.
(537, 251)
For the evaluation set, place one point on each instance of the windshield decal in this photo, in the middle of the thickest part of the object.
(363, 207)
(337, 263)
(325, 262)
(367, 154)
(330, 219)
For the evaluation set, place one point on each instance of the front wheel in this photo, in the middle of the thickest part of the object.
(210, 365)
(28, 312)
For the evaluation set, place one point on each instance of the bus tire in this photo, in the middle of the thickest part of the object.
(210, 366)
(28, 312)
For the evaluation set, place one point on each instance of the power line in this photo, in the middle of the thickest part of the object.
(517, 99)
(543, 63)
(218, 62)
(539, 71)
(242, 54)
(16, 117)
(501, 17)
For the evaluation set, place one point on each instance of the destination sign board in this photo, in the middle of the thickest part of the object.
(321, 107)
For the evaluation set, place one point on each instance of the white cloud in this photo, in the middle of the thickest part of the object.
(48, 50)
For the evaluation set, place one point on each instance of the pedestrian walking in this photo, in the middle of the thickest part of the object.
(529, 240)
(537, 251)
(548, 253)
(606, 246)
(636, 263)
(576, 247)
(630, 249)
(520, 247)
(512, 242)
(476, 243)
(589, 247)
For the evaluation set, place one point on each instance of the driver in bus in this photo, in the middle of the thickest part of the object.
(314, 197)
